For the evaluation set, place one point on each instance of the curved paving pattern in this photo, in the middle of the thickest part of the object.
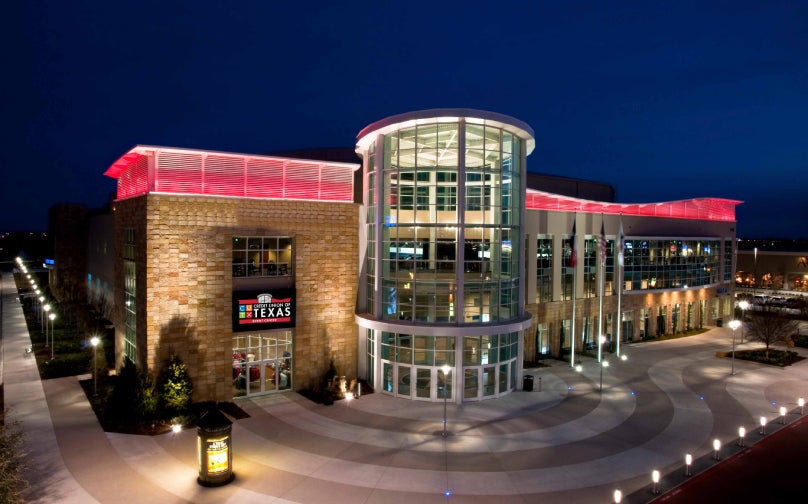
(565, 443)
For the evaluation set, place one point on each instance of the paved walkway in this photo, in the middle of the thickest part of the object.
(567, 442)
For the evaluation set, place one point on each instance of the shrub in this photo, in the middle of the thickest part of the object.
(175, 389)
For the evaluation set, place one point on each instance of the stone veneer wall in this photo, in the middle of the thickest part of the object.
(187, 283)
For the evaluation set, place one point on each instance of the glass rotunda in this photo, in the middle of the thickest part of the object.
(441, 299)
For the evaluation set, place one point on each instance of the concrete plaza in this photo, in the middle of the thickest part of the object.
(566, 441)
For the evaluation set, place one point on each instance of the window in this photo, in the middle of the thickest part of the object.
(262, 256)
(130, 291)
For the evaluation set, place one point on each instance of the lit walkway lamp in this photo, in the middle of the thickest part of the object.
(445, 370)
(214, 442)
(733, 324)
(94, 342)
(43, 322)
(743, 305)
(602, 365)
(52, 317)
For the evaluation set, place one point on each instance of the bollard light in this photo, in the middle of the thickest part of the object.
(801, 404)
(741, 435)
(618, 496)
(688, 464)
(716, 448)
(783, 415)
(763, 425)
(655, 480)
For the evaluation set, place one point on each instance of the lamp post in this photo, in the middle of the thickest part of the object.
(602, 365)
(801, 404)
(743, 305)
(783, 415)
(688, 464)
(763, 426)
(52, 316)
(94, 342)
(733, 324)
(741, 435)
(42, 325)
(445, 370)
(655, 480)
(716, 449)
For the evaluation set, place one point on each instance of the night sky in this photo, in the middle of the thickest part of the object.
(663, 100)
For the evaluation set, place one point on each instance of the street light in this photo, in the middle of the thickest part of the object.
(42, 322)
(733, 324)
(602, 365)
(52, 316)
(94, 342)
(743, 305)
(445, 370)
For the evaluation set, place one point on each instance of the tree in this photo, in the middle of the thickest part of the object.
(12, 463)
(770, 325)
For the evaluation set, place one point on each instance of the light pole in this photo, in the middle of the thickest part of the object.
(94, 342)
(602, 365)
(743, 305)
(43, 320)
(445, 370)
(733, 324)
(52, 316)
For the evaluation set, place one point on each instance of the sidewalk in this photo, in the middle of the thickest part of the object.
(566, 443)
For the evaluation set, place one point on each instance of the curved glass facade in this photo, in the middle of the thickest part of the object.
(444, 198)
(447, 221)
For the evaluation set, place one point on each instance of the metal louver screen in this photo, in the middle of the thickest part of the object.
(222, 174)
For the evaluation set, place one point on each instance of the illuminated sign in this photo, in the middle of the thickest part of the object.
(217, 455)
(263, 309)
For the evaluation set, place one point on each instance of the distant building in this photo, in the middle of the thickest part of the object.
(437, 249)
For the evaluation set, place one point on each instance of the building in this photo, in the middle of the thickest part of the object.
(440, 281)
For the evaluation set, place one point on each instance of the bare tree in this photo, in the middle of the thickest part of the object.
(770, 325)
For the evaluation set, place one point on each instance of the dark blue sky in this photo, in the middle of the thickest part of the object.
(663, 100)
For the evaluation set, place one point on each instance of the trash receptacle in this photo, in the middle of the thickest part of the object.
(527, 383)
(719, 322)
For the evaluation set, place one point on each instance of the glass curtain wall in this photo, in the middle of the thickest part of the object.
(434, 213)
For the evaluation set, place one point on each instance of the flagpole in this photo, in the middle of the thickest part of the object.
(600, 289)
(574, 264)
(619, 279)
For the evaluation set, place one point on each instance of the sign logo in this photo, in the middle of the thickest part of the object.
(254, 310)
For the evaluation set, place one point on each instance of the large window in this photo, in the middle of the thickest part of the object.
(129, 292)
(671, 264)
(544, 269)
(262, 256)
(262, 363)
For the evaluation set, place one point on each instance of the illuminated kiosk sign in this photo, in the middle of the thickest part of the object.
(264, 309)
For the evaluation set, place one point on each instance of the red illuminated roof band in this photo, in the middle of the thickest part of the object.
(188, 171)
(148, 169)
(712, 209)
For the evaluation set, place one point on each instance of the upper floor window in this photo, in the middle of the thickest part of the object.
(262, 256)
